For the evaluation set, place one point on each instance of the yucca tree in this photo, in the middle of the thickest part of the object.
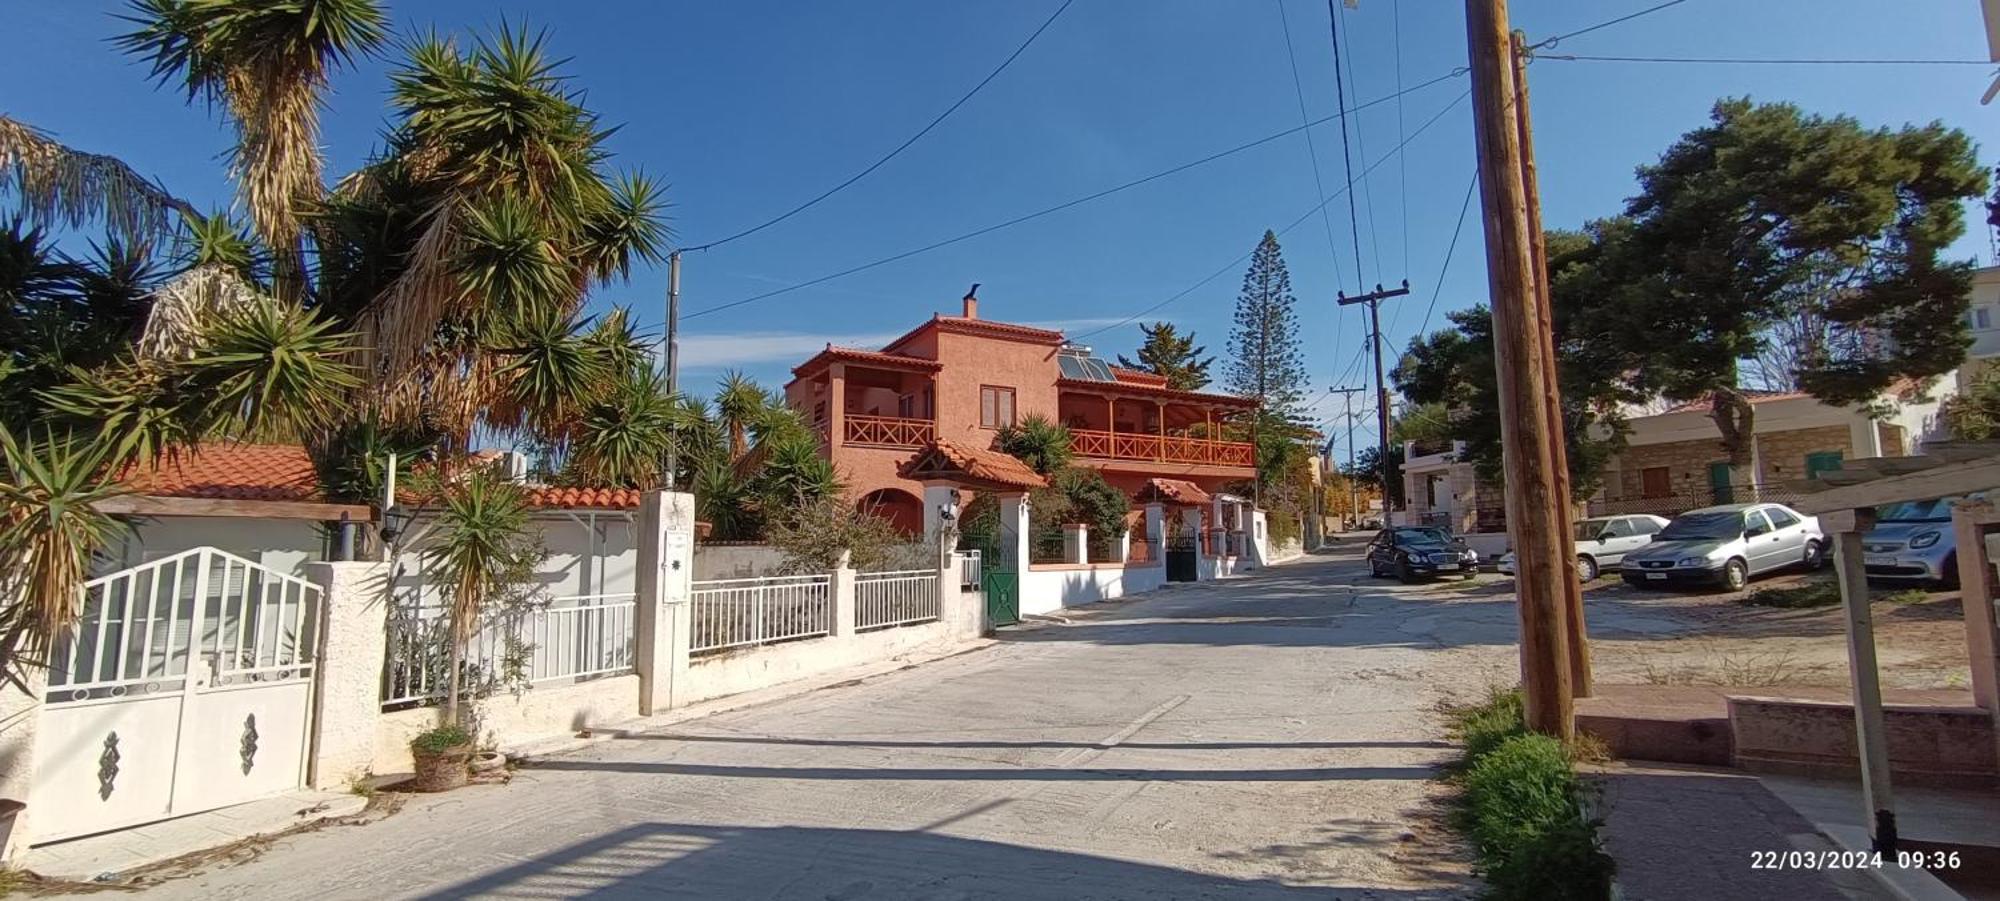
(268, 62)
(740, 404)
(50, 531)
(1042, 444)
(478, 548)
(56, 186)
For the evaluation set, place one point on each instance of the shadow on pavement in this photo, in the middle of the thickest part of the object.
(997, 774)
(668, 860)
(1148, 745)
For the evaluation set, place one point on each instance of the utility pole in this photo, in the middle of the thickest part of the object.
(1576, 633)
(1374, 301)
(1527, 433)
(1347, 408)
(673, 354)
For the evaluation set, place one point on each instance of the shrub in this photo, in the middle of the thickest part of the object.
(814, 536)
(1524, 811)
(441, 739)
(1484, 726)
(1811, 594)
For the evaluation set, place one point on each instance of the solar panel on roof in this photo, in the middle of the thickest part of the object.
(1098, 370)
(1072, 367)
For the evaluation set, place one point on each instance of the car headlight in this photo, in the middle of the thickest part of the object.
(1691, 561)
(1923, 540)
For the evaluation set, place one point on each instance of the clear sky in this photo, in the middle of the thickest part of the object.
(748, 108)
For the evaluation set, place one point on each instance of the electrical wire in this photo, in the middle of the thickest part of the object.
(1347, 159)
(900, 147)
(1238, 260)
(1551, 42)
(1746, 61)
(1312, 152)
(1068, 203)
(1361, 147)
(1402, 164)
(1438, 288)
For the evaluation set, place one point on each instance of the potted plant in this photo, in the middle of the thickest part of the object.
(440, 756)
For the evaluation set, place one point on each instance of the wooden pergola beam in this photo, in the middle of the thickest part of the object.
(149, 505)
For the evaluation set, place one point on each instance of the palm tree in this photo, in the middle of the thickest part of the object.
(61, 187)
(50, 530)
(478, 549)
(740, 405)
(1043, 445)
(268, 62)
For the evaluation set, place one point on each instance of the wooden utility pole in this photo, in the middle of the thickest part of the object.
(1347, 412)
(1374, 301)
(1526, 432)
(1577, 636)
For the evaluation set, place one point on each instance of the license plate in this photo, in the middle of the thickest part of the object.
(1660, 576)
(1874, 560)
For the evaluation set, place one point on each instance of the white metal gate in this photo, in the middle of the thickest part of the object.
(186, 686)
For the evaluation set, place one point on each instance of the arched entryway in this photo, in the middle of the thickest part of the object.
(901, 508)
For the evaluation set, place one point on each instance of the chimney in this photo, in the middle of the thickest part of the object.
(972, 302)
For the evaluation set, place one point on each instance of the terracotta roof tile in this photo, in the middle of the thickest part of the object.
(1173, 491)
(549, 498)
(834, 353)
(1138, 377)
(243, 472)
(1754, 396)
(947, 461)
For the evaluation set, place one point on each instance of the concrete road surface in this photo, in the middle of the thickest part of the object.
(1265, 737)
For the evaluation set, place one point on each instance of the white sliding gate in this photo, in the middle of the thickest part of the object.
(186, 686)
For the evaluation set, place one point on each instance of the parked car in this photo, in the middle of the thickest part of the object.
(1727, 545)
(1912, 542)
(1603, 542)
(1414, 552)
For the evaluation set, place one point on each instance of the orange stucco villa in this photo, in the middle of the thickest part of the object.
(959, 379)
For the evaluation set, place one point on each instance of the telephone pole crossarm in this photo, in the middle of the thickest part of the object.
(1374, 301)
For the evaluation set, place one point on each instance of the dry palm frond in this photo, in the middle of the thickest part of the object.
(49, 532)
(189, 306)
(399, 323)
(62, 186)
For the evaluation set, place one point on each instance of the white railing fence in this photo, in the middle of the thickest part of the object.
(735, 613)
(895, 598)
(567, 638)
(142, 628)
(971, 569)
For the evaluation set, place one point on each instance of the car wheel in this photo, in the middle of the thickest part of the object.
(1950, 580)
(1815, 555)
(1403, 572)
(1735, 575)
(1586, 569)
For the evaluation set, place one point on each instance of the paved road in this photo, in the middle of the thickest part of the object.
(1268, 737)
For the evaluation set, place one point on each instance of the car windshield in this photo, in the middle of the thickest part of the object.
(1421, 536)
(1700, 526)
(1589, 529)
(1916, 511)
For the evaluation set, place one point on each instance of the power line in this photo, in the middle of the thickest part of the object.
(1402, 164)
(1347, 159)
(1319, 185)
(1433, 120)
(1551, 42)
(1746, 61)
(1449, 248)
(1361, 147)
(1070, 203)
(900, 147)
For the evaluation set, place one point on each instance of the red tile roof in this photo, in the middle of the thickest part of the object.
(1161, 391)
(1754, 396)
(243, 472)
(833, 354)
(1138, 377)
(1173, 491)
(985, 328)
(944, 461)
(283, 472)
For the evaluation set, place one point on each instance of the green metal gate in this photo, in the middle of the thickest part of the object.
(1003, 597)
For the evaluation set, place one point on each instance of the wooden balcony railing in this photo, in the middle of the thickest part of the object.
(888, 431)
(1158, 448)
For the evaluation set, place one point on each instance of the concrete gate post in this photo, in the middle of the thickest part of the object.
(663, 624)
(20, 719)
(347, 675)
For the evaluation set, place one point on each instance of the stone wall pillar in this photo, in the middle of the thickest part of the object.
(1014, 532)
(20, 720)
(347, 674)
(842, 600)
(663, 623)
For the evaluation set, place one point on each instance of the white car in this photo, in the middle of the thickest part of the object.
(1602, 542)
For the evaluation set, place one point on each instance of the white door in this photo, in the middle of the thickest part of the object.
(186, 686)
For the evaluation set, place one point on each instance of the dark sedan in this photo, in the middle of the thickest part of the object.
(1413, 552)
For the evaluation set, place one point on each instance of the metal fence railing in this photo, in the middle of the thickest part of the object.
(971, 565)
(735, 613)
(567, 638)
(896, 598)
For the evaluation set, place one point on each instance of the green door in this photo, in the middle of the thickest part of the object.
(1824, 461)
(1719, 483)
(1003, 597)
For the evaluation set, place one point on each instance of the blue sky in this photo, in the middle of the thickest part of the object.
(748, 108)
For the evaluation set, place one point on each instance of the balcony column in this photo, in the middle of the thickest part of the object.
(1160, 452)
(836, 405)
(1111, 423)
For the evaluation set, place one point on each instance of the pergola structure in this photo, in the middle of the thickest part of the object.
(1845, 501)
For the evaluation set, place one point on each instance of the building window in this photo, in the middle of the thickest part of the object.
(1980, 318)
(1655, 481)
(906, 406)
(996, 407)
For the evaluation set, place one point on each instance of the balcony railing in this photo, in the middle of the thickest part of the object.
(1158, 448)
(888, 431)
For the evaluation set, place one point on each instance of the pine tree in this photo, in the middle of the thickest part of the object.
(1267, 362)
(1173, 355)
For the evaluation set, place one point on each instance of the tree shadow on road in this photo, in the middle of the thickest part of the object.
(989, 774)
(1054, 745)
(671, 860)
